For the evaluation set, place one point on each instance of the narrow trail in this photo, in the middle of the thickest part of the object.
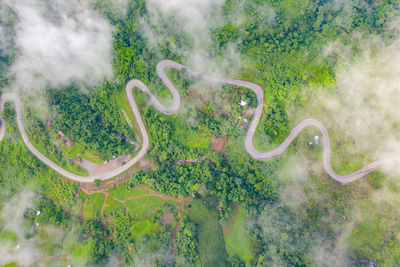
(251, 150)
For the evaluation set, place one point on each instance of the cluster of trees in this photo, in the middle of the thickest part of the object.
(93, 120)
(39, 135)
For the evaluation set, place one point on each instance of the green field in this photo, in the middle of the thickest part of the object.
(138, 208)
(211, 242)
(236, 241)
(144, 227)
(92, 206)
(120, 192)
(79, 254)
(190, 138)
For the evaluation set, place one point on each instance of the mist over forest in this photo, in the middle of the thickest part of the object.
(197, 197)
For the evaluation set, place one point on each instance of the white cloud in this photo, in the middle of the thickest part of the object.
(60, 42)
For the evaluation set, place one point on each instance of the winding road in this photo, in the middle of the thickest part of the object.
(253, 152)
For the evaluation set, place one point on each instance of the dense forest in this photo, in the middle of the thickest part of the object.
(203, 201)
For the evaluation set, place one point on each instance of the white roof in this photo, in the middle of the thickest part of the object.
(243, 103)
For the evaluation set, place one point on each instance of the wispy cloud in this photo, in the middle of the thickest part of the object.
(59, 42)
(25, 253)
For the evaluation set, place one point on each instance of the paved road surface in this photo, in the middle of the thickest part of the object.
(258, 155)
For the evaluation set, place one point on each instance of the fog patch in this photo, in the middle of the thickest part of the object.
(25, 252)
(364, 106)
(192, 23)
(59, 42)
(117, 8)
(293, 173)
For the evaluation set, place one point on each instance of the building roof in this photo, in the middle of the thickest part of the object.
(69, 143)
(60, 134)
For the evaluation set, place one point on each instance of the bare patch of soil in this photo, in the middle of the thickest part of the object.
(167, 219)
(218, 143)
(229, 225)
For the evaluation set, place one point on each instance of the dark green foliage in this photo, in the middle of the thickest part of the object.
(281, 238)
(283, 41)
(211, 243)
(93, 120)
(186, 244)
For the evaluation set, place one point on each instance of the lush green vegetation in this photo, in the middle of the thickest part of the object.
(281, 42)
(236, 239)
(211, 244)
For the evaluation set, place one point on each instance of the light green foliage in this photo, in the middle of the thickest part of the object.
(92, 205)
(121, 191)
(280, 43)
(237, 242)
(211, 243)
(144, 227)
(137, 208)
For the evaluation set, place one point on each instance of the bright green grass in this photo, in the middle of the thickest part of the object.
(144, 227)
(8, 236)
(138, 208)
(121, 192)
(73, 150)
(70, 240)
(78, 151)
(11, 264)
(236, 242)
(211, 242)
(189, 138)
(91, 157)
(81, 253)
(93, 204)
(123, 102)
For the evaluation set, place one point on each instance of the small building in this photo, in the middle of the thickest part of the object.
(316, 138)
(69, 143)
(38, 212)
(49, 123)
(60, 133)
(242, 103)
(245, 120)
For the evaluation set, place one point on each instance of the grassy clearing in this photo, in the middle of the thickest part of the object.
(11, 264)
(93, 205)
(72, 151)
(92, 157)
(80, 254)
(8, 236)
(78, 151)
(120, 192)
(123, 102)
(138, 208)
(236, 241)
(191, 139)
(211, 242)
(144, 227)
